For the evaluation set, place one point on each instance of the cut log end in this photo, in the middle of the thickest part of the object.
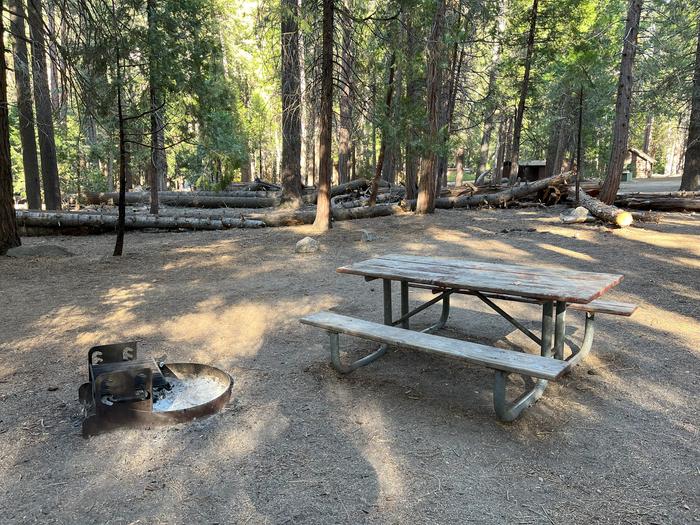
(624, 219)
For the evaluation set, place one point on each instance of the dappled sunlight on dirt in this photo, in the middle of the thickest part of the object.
(564, 251)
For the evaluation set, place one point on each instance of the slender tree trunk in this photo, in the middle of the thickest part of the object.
(622, 106)
(158, 167)
(345, 102)
(42, 101)
(489, 108)
(123, 160)
(691, 169)
(291, 105)
(413, 88)
(459, 167)
(30, 162)
(427, 183)
(9, 238)
(500, 152)
(325, 168)
(382, 149)
(518, 125)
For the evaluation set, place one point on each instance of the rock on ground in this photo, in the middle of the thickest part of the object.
(307, 245)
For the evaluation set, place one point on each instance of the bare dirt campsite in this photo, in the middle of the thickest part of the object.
(350, 261)
(409, 439)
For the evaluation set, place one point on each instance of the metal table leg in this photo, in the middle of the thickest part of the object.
(404, 304)
(560, 330)
(510, 411)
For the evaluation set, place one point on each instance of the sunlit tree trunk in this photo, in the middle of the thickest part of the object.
(42, 101)
(691, 170)
(427, 182)
(325, 167)
(518, 124)
(622, 107)
(30, 162)
(9, 238)
(413, 88)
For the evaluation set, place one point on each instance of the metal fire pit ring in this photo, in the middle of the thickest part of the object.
(142, 415)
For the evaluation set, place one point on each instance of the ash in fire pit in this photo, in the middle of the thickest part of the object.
(186, 392)
(127, 391)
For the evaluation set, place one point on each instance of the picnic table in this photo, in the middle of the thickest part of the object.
(556, 290)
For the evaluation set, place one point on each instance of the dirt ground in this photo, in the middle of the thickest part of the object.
(411, 438)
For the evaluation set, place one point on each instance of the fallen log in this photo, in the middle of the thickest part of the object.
(105, 222)
(658, 194)
(501, 198)
(298, 217)
(660, 203)
(186, 199)
(604, 211)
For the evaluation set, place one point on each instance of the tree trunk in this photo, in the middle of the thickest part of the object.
(500, 153)
(8, 224)
(622, 106)
(119, 244)
(345, 102)
(459, 167)
(158, 165)
(382, 149)
(427, 183)
(489, 108)
(25, 111)
(413, 87)
(325, 167)
(518, 125)
(691, 169)
(291, 105)
(42, 101)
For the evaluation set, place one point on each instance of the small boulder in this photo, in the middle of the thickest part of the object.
(39, 250)
(576, 215)
(367, 236)
(307, 245)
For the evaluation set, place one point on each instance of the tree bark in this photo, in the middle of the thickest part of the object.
(325, 168)
(158, 163)
(518, 125)
(119, 243)
(413, 85)
(42, 102)
(345, 102)
(105, 222)
(500, 153)
(30, 163)
(427, 182)
(622, 106)
(291, 105)
(382, 148)
(493, 75)
(691, 169)
(459, 167)
(9, 237)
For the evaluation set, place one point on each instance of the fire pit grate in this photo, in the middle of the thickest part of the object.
(125, 390)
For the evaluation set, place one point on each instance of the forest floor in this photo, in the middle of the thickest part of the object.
(411, 438)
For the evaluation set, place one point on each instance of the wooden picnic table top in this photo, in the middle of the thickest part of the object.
(545, 284)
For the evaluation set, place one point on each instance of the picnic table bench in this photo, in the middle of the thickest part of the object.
(556, 290)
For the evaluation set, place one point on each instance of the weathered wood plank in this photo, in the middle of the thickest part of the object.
(496, 358)
(606, 307)
(539, 283)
